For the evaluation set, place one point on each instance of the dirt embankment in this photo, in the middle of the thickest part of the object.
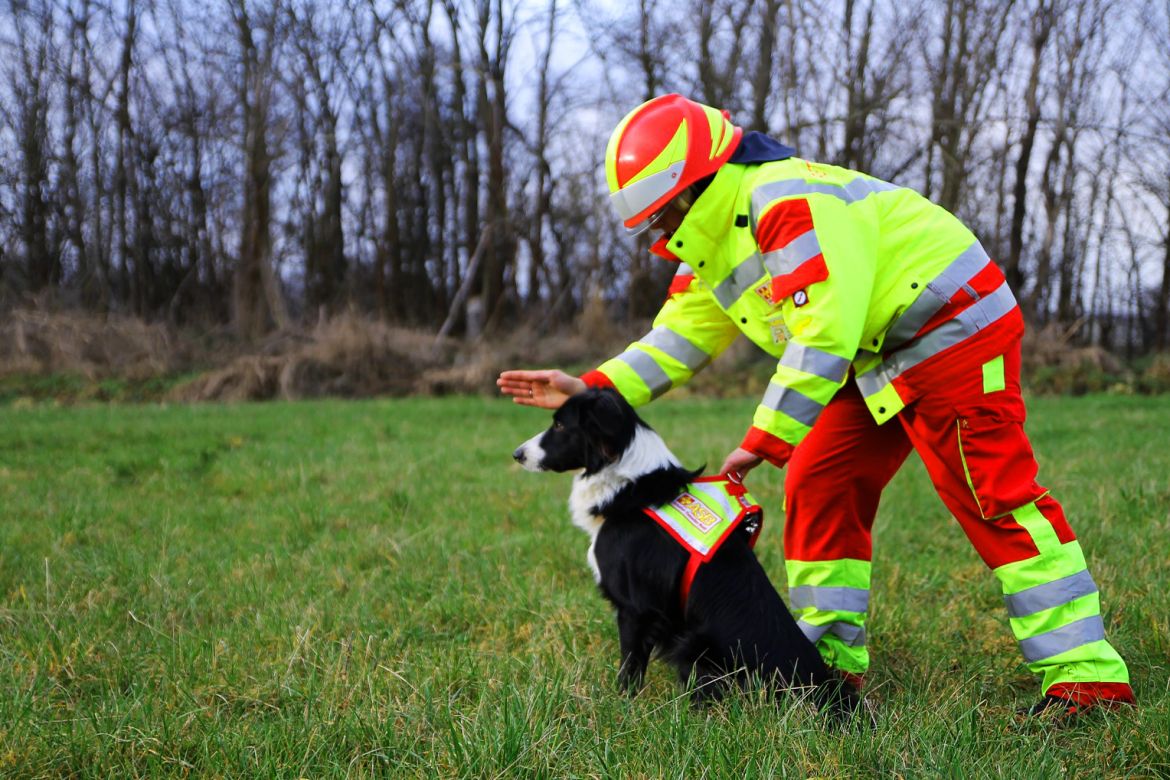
(75, 356)
(349, 356)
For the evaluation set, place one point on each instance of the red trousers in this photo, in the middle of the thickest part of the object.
(968, 430)
(837, 474)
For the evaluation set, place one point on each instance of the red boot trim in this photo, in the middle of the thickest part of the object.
(855, 680)
(1088, 694)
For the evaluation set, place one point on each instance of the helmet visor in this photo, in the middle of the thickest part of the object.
(647, 223)
(634, 200)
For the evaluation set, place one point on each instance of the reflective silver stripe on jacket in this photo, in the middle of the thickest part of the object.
(829, 599)
(1063, 639)
(958, 329)
(743, 278)
(1051, 594)
(851, 635)
(677, 347)
(787, 259)
(796, 405)
(937, 294)
(814, 361)
(647, 370)
(851, 192)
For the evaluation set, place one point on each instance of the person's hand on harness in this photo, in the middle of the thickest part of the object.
(545, 388)
(740, 460)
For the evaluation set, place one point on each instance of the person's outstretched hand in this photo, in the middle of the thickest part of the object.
(545, 388)
(740, 460)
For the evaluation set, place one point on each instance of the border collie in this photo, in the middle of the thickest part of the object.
(733, 626)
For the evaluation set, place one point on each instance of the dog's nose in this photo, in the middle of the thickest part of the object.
(519, 454)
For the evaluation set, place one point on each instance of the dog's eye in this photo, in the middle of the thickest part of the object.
(558, 425)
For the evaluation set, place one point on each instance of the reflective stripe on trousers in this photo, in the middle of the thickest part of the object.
(851, 635)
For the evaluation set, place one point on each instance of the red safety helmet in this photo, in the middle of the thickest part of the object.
(662, 147)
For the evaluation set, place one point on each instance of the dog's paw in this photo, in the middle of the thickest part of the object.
(630, 682)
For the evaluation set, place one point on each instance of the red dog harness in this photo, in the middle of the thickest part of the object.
(701, 518)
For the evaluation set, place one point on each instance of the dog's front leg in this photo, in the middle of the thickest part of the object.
(635, 649)
(707, 685)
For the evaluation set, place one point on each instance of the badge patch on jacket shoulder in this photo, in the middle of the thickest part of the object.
(799, 298)
(806, 274)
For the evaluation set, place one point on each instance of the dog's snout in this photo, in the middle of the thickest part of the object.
(530, 455)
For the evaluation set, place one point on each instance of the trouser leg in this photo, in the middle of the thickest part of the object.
(971, 439)
(833, 484)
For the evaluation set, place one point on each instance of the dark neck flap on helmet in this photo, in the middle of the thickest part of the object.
(756, 147)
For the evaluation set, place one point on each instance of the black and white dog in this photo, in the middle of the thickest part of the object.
(734, 625)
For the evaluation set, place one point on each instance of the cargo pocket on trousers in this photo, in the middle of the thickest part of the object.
(997, 460)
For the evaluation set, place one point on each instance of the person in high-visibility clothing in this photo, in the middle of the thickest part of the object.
(894, 331)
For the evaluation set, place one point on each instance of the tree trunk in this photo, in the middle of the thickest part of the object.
(257, 301)
(1043, 21)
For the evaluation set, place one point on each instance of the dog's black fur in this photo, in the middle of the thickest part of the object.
(735, 625)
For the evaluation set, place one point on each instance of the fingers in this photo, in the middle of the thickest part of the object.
(514, 388)
(540, 375)
(520, 383)
(526, 395)
(740, 460)
(543, 388)
(539, 402)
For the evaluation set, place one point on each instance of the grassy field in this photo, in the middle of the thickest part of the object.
(372, 588)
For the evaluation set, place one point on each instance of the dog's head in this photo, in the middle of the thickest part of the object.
(590, 431)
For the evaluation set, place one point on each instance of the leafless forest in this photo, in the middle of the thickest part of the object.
(437, 163)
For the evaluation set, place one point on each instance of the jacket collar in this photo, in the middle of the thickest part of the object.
(756, 147)
(704, 229)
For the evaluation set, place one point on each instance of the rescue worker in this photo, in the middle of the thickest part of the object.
(894, 331)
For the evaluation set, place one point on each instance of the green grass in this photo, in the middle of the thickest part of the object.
(372, 588)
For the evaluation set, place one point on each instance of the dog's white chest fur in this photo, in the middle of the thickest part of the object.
(587, 494)
(591, 494)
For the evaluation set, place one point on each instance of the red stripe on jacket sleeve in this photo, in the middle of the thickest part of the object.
(680, 283)
(771, 448)
(595, 378)
(782, 223)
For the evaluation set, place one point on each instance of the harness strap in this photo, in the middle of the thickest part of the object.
(688, 579)
(749, 518)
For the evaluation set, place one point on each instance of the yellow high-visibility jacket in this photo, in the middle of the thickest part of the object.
(828, 270)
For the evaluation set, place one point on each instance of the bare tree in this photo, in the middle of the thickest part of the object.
(30, 76)
(354, 153)
(318, 90)
(873, 78)
(257, 299)
(971, 41)
(1042, 20)
(382, 138)
(494, 31)
(722, 28)
(1155, 181)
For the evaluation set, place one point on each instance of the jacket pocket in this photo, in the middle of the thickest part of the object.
(997, 460)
